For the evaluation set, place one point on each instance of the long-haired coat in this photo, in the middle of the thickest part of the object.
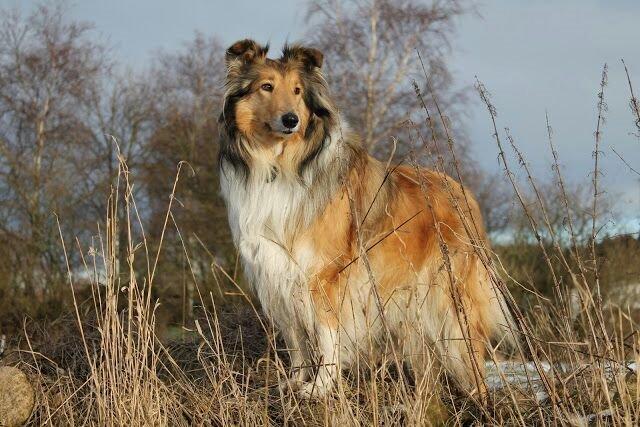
(346, 257)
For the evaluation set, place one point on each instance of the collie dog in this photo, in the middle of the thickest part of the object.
(346, 256)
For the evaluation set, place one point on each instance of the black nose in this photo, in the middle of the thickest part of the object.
(289, 120)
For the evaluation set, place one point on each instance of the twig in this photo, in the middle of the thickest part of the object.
(602, 107)
(484, 95)
(545, 217)
(381, 240)
(574, 243)
(633, 103)
(625, 162)
(565, 199)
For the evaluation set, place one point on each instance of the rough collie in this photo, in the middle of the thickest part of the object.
(347, 257)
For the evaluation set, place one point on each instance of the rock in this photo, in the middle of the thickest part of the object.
(17, 397)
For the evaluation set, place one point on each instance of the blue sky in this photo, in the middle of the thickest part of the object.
(533, 56)
(536, 56)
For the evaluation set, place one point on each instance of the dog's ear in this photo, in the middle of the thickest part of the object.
(246, 51)
(311, 58)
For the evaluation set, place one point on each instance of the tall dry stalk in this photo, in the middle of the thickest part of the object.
(577, 372)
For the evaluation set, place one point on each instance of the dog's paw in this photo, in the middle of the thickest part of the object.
(313, 390)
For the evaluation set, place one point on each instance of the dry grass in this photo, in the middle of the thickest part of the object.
(105, 365)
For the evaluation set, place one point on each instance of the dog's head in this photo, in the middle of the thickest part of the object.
(271, 100)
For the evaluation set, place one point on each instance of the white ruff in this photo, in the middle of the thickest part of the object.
(263, 211)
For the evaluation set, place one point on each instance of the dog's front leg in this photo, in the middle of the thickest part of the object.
(298, 356)
(327, 372)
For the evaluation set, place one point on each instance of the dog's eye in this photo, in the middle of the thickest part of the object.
(297, 91)
(267, 86)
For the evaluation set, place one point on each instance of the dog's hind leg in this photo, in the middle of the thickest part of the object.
(417, 354)
(463, 357)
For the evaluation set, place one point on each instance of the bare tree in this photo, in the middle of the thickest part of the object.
(371, 49)
(47, 68)
(189, 83)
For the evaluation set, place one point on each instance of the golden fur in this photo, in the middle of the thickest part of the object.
(347, 257)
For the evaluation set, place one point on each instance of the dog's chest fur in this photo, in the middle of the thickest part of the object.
(267, 218)
(259, 214)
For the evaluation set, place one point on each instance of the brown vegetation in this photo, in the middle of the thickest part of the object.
(128, 307)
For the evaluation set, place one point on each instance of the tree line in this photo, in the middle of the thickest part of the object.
(71, 116)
